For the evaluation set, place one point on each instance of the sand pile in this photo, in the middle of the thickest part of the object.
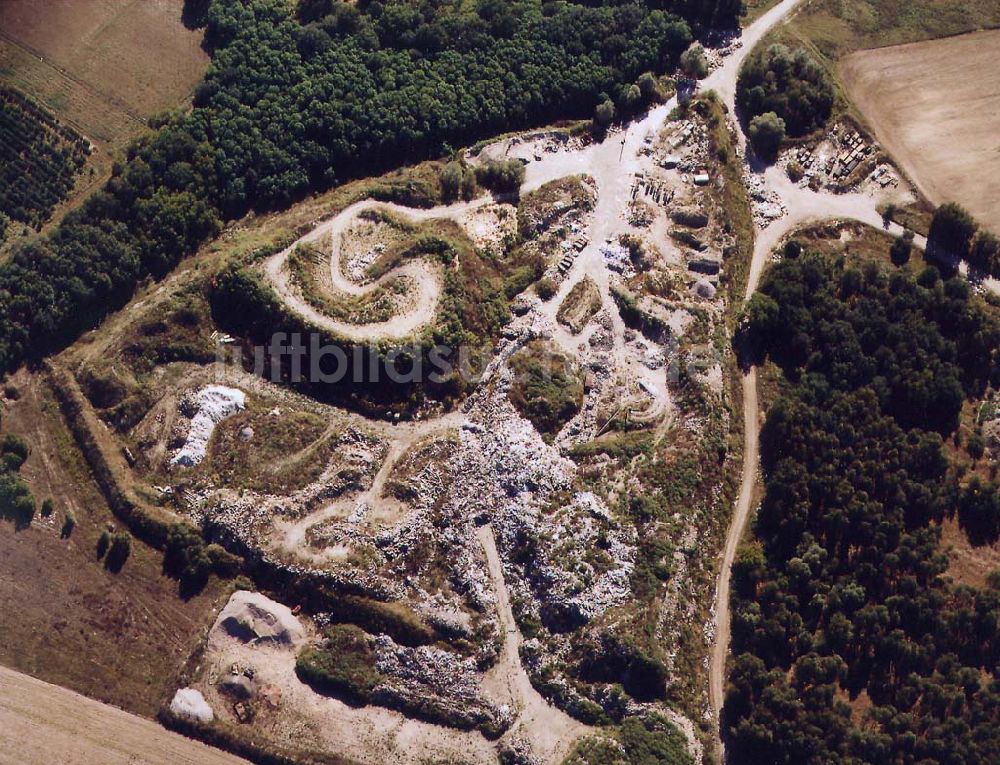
(191, 705)
(253, 618)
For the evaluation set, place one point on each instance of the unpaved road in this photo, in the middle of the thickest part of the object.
(803, 206)
(401, 437)
(43, 724)
(935, 105)
(550, 730)
(421, 272)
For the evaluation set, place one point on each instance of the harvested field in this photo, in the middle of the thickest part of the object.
(137, 57)
(42, 723)
(101, 66)
(935, 106)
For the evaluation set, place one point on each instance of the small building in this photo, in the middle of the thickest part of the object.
(701, 178)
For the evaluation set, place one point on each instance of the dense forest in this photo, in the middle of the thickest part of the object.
(298, 99)
(850, 644)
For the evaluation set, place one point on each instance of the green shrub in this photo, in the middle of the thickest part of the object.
(14, 451)
(693, 61)
(951, 232)
(546, 288)
(976, 447)
(503, 176)
(343, 665)
(766, 133)
(16, 501)
(653, 740)
(118, 552)
(547, 388)
(899, 253)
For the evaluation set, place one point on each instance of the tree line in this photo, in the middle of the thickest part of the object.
(850, 644)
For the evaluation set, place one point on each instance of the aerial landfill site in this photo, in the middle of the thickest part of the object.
(455, 577)
(457, 463)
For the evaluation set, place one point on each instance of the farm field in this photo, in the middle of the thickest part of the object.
(42, 723)
(119, 638)
(101, 66)
(935, 106)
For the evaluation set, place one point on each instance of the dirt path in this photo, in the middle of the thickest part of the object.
(401, 438)
(423, 274)
(741, 515)
(41, 724)
(550, 730)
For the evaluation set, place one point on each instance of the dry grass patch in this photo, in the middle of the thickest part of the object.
(270, 452)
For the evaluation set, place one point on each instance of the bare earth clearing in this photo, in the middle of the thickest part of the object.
(936, 106)
(42, 724)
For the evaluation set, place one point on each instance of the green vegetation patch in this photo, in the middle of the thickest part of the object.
(782, 91)
(39, 159)
(649, 740)
(17, 503)
(343, 664)
(547, 387)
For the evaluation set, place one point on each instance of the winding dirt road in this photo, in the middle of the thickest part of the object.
(423, 274)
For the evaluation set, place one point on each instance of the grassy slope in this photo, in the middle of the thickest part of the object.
(839, 27)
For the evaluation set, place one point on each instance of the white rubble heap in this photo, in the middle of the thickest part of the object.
(509, 476)
(208, 407)
(189, 704)
(766, 205)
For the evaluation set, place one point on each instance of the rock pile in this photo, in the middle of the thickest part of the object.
(189, 704)
(254, 618)
(436, 684)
